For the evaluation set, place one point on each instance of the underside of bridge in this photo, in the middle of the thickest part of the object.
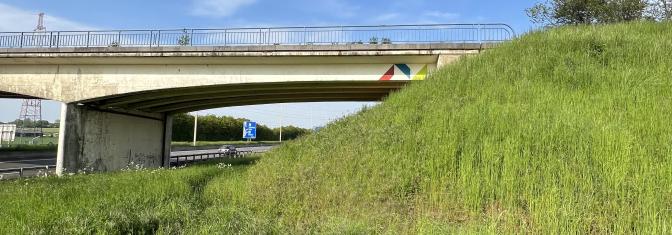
(114, 132)
(187, 99)
(9, 95)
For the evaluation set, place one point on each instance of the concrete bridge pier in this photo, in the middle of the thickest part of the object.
(92, 139)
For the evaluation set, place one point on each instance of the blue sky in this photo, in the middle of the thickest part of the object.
(20, 15)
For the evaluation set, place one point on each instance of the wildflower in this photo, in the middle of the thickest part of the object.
(224, 165)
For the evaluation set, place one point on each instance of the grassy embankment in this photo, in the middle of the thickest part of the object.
(564, 131)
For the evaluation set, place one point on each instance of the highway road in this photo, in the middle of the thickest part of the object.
(259, 149)
(44, 161)
(27, 163)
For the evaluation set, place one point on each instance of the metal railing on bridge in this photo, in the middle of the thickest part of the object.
(332, 35)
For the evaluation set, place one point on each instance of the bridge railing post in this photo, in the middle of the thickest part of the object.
(191, 38)
(88, 38)
(119, 38)
(305, 34)
(226, 35)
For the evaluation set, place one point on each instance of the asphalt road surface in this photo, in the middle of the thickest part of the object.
(27, 163)
(45, 161)
(259, 149)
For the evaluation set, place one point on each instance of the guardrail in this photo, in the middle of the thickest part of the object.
(183, 159)
(331, 35)
(175, 161)
(22, 170)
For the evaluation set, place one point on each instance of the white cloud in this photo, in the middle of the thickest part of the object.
(338, 8)
(386, 17)
(15, 19)
(441, 15)
(218, 8)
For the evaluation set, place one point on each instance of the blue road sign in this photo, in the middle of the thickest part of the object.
(249, 130)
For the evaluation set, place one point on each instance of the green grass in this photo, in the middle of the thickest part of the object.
(27, 148)
(46, 143)
(38, 141)
(140, 202)
(559, 132)
(22, 144)
(50, 130)
(565, 131)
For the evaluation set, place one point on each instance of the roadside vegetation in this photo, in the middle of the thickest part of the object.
(48, 142)
(225, 128)
(135, 201)
(217, 144)
(564, 131)
(28, 148)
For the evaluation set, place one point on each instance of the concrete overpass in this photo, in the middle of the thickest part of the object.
(119, 88)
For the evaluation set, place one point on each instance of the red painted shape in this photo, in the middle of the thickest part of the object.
(388, 75)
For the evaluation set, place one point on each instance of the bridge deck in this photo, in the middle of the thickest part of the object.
(269, 54)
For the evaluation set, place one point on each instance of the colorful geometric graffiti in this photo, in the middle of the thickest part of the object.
(407, 72)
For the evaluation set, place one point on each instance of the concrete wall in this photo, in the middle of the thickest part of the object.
(93, 140)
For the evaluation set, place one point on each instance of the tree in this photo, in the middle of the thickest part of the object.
(573, 12)
(184, 39)
(659, 10)
(290, 132)
(225, 128)
(621, 10)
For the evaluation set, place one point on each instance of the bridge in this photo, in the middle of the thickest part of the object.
(120, 88)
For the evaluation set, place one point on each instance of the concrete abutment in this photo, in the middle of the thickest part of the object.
(102, 140)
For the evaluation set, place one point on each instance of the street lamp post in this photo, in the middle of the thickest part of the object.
(281, 122)
(195, 127)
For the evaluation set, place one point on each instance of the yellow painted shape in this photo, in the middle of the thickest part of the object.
(421, 74)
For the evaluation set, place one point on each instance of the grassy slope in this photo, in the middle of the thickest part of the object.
(562, 131)
(138, 202)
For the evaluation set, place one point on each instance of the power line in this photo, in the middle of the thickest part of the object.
(31, 109)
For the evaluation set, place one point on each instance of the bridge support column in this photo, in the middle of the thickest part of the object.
(101, 140)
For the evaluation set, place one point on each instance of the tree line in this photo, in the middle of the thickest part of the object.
(225, 128)
(33, 124)
(574, 12)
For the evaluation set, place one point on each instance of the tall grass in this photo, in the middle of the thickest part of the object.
(563, 131)
(139, 202)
